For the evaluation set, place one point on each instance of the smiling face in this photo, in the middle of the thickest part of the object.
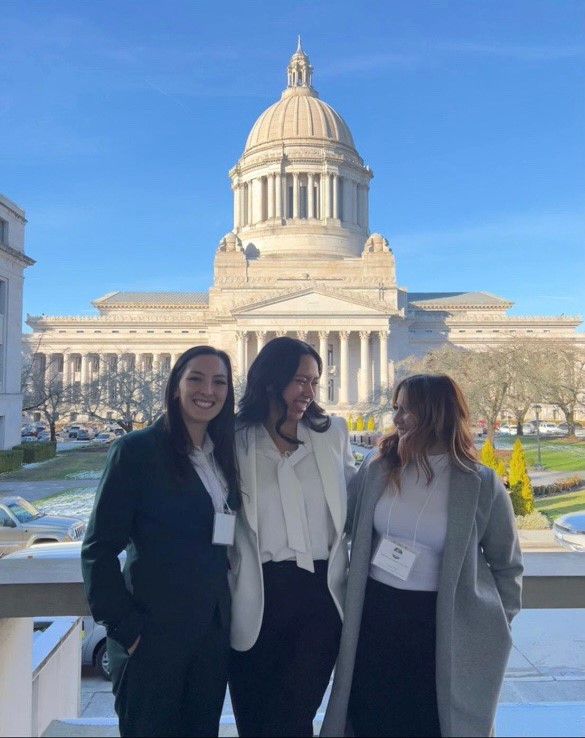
(404, 419)
(202, 391)
(300, 392)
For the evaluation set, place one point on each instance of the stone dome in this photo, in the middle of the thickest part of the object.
(299, 114)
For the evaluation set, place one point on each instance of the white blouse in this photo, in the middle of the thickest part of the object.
(210, 474)
(416, 515)
(294, 521)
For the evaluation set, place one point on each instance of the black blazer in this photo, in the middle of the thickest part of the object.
(173, 574)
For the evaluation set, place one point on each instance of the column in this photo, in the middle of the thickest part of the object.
(310, 196)
(270, 186)
(278, 195)
(236, 206)
(324, 354)
(84, 372)
(344, 367)
(365, 213)
(383, 335)
(335, 180)
(174, 359)
(295, 195)
(355, 194)
(67, 370)
(260, 340)
(250, 218)
(325, 196)
(241, 352)
(364, 389)
(280, 334)
(257, 200)
(302, 336)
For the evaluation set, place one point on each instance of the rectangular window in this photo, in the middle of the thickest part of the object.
(330, 390)
(3, 232)
(340, 198)
(330, 355)
(289, 201)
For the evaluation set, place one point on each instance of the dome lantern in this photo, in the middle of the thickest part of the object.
(299, 70)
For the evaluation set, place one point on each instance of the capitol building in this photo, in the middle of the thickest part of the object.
(301, 261)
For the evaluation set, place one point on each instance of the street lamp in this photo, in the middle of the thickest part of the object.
(537, 409)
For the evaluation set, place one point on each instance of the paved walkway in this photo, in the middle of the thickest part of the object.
(32, 491)
(547, 665)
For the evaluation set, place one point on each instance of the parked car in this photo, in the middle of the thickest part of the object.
(528, 429)
(73, 430)
(27, 431)
(106, 437)
(578, 427)
(569, 530)
(549, 429)
(93, 646)
(85, 434)
(44, 436)
(478, 430)
(22, 525)
(507, 430)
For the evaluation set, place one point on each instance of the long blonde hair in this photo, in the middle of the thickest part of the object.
(442, 417)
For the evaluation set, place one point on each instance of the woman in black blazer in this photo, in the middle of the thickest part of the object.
(166, 496)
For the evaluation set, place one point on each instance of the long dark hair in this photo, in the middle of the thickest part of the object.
(221, 429)
(442, 416)
(271, 371)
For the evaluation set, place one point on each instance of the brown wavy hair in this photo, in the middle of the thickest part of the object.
(442, 417)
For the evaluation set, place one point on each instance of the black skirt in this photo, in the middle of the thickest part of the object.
(394, 689)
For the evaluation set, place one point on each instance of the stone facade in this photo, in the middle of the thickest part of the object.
(300, 260)
(13, 261)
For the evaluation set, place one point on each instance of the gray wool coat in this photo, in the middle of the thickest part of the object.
(479, 594)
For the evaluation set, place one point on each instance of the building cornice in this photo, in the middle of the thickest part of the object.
(16, 255)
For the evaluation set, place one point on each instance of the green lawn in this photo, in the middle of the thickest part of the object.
(552, 507)
(74, 464)
(559, 454)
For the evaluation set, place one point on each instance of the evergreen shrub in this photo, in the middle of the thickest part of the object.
(11, 459)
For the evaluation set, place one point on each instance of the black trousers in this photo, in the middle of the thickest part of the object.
(393, 690)
(277, 686)
(173, 684)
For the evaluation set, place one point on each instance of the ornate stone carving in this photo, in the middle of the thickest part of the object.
(376, 244)
(230, 243)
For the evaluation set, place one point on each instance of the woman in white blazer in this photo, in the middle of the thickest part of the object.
(289, 562)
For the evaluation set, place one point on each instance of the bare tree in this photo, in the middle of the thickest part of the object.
(125, 393)
(44, 388)
(562, 378)
(484, 376)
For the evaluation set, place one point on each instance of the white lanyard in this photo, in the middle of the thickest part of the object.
(432, 488)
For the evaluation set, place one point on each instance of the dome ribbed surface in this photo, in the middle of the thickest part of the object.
(299, 117)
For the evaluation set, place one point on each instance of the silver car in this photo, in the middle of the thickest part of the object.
(93, 647)
(22, 524)
(569, 530)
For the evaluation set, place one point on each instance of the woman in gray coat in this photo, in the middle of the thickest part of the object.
(434, 580)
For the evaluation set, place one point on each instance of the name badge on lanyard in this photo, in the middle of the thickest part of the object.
(224, 528)
(395, 558)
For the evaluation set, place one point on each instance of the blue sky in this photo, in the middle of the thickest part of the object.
(119, 122)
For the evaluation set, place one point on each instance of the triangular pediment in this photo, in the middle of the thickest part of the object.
(311, 302)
